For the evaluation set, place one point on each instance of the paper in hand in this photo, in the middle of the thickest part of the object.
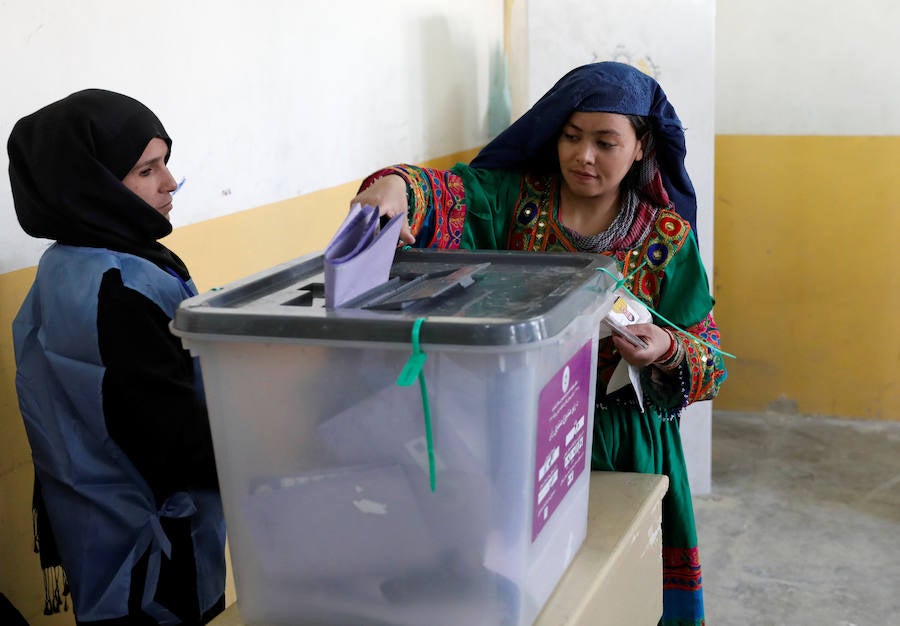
(626, 310)
(360, 254)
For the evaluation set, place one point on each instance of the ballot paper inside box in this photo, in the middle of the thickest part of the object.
(358, 258)
(324, 460)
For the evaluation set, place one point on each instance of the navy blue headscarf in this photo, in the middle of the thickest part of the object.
(607, 87)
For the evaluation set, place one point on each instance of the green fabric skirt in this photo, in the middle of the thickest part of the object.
(627, 440)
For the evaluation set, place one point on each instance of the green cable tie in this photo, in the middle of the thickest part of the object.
(412, 371)
(621, 282)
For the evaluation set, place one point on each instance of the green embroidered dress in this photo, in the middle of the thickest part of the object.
(500, 209)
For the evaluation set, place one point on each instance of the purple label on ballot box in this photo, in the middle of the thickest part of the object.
(561, 436)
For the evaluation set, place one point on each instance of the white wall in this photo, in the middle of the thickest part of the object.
(808, 67)
(674, 41)
(264, 100)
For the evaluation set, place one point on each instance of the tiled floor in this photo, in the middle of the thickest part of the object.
(803, 523)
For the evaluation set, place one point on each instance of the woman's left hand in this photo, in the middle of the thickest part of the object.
(658, 343)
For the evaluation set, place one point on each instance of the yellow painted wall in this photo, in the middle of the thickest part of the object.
(217, 251)
(806, 273)
(19, 573)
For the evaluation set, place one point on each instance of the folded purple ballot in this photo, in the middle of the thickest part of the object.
(360, 255)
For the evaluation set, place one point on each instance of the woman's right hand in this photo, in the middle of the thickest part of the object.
(388, 193)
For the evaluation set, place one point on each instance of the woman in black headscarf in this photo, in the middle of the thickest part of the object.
(126, 492)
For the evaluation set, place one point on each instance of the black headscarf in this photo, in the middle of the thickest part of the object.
(605, 87)
(66, 165)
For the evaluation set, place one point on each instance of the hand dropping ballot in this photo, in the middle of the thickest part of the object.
(360, 254)
(626, 310)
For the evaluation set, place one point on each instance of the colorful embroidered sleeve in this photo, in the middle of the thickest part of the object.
(437, 204)
(457, 208)
(684, 300)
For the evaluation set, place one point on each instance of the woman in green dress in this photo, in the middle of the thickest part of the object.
(597, 165)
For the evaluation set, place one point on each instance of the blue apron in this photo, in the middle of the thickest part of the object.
(102, 511)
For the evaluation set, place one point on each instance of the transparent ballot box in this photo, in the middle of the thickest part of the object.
(349, 499)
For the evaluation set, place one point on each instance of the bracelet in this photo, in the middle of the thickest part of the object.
(673, 356)
(673, 347)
